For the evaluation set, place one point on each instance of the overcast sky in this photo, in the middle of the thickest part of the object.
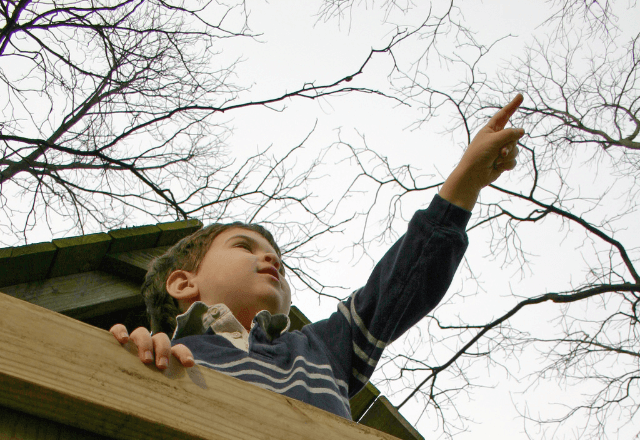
(294, 47)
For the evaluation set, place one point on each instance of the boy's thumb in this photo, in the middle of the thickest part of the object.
(507, 136)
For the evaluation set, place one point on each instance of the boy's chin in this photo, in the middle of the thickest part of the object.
(273, 307)
(273, 302)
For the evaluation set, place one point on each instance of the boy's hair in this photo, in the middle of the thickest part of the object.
(187, 254)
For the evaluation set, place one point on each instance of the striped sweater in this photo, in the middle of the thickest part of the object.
(329, 361)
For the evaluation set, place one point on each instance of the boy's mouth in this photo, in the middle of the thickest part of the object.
(271, 271)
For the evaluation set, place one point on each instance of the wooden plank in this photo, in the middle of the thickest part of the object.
(385, 417)
(133, 264)
(361, 402)
(16, 425)
(129, 239)
(81, 296)
(79, 254)
(25, 263)
(5, 254)
(131, 318)
(64, 370)
(6, 272)
(172, 232)
(297, 319)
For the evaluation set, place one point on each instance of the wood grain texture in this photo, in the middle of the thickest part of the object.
(81, 296)
(132, 265)
(60, 369)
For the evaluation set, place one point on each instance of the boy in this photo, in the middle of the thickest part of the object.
(226, 285)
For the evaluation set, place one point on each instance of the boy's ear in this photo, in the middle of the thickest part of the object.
(180, 285)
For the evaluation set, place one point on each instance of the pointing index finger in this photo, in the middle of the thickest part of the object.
(500, 119)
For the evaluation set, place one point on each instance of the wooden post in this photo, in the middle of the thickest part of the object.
(64, 370)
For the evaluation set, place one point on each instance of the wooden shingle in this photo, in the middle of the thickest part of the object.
(128, 239)
(79, 254)
(26, 263)
(172, 232)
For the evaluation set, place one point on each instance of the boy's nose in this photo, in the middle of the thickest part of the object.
(273, 259)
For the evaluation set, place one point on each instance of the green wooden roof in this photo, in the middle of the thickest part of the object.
(66, 256)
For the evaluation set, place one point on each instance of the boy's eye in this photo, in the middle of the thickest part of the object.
(243, 245)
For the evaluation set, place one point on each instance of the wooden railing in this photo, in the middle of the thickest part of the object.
(59, 373)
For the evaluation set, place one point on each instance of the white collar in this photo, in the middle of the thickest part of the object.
(199, 317)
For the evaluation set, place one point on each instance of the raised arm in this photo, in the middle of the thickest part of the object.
(491, 152)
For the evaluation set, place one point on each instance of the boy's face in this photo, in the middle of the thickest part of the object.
(242, 270)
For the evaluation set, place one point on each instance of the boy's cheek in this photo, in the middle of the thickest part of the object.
(287, 297)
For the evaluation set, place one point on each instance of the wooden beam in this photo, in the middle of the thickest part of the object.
(384, 416)
(82, 295)
(128, 239)
(79, 254)
(361, 402)
(25, 263)
(297, 319)
(64, 370)
(132, 265)
(16, 425)
(172, 232)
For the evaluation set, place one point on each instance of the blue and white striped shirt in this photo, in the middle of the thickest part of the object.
(329, 361)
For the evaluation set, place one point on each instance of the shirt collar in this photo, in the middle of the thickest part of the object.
(200, 317)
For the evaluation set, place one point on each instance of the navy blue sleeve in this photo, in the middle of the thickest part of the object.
(407, 283)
